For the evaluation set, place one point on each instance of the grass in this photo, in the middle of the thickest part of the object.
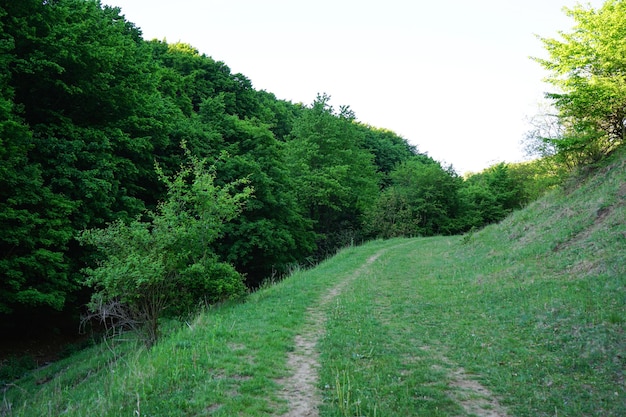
(375, 354)
(226, 362)
(532, 311)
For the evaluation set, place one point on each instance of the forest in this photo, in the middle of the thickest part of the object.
(136, 170)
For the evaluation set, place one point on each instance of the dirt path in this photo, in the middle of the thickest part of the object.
(300, 388)
(474, 397)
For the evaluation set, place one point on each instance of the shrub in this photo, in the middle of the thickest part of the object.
(163, 261)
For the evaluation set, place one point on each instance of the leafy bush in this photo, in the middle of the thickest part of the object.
(164, 261)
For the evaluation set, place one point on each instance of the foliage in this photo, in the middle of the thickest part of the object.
(392, 216)
(334, 177)
(34, 230)
(586, 67)
(388, 148)
(534, 178)
(530, 312)
(166, 261)
(223, 114)
(76, 142)
(492, 194)
(422, 200)
(15, 367)
(272, 232)
(86, 108)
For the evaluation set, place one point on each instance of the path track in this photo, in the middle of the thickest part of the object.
(475, 398)
(300, 388)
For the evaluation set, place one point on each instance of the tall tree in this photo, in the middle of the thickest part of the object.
(334, 175)
(493, 194)
(422, 200)
(388, 149)
(85, 120)
(32, 217)
(587, 68)
(223, 114)
(273, 232)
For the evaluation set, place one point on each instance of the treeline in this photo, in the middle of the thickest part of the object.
(93, 118)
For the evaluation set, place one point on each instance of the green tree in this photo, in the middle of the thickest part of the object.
(33, 228)
(493, 194)
(204, 78)
(167, 261)
(80, 142)
(272, 233)
(34, 225)
(388, 149)
(279, 115)
(334, 176)
(535, 178)
(222, 113)
(424, 198)
(587, 68)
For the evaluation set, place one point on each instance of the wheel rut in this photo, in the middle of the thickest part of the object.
(300, 387)
(475, 398)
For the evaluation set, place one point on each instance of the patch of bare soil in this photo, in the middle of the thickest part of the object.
(474, 397)
(300, 388)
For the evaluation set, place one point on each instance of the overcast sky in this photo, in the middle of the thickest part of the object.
(453, 77)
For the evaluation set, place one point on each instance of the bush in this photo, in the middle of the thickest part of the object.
(163, 261)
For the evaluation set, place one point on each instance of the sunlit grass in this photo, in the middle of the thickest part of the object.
(533, 310)
(225, 362)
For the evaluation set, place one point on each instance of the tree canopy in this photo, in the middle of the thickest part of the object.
(587, 68)
(88, 108)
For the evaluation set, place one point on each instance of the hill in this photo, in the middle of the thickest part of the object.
(523, 318)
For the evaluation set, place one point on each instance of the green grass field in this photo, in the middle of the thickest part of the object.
(523, 318)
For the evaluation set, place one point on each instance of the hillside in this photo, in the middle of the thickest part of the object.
(524, 318)
(94, 119)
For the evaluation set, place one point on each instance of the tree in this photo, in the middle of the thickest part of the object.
(388, 148)
(534, 178)
(493, 194)
(34, 225)
(587, 68)
(86, 109)
(34, 229)
(334, 176)
(425, 199)
(223, 113)
(167, 261)
(203, 78)
(83, 119)
(272, 233)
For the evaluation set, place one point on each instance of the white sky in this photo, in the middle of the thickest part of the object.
(452, 76)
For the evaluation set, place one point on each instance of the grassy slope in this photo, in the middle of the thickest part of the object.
(533, 308)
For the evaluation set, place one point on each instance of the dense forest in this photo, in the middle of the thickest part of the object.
(125, 160)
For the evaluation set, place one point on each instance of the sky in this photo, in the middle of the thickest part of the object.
(453, 77)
